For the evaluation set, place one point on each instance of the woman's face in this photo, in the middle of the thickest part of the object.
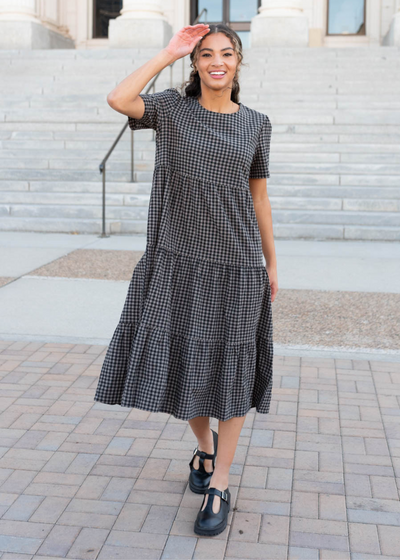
(216, 54)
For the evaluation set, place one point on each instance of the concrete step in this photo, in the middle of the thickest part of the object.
(59, 225)
(319, 215)
(281, 154)
(71, 175)
(280, 202)
(40, 198)
(79, 187)
(108, 131)
(336, 194)
(281, 231)
(296, 143)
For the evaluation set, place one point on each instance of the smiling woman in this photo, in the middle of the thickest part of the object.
(195, 337)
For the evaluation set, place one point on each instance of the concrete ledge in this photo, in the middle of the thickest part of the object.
(144, 33)
(31, 35)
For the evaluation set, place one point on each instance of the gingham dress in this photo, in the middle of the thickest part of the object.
(195, 333)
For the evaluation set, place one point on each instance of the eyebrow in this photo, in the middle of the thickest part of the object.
(208, 49)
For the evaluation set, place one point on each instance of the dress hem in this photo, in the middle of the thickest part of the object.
(165, 410)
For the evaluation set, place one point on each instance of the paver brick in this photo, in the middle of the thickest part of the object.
(297, 553)
(316, 540)
(305, 504)
(245, 526)
(332, 507)
(254, 477)
(88, 543)
(364, 538)
(274, 529)
(358, 485)
(318, 526)
(390, 540)
(59, 541)
(384, 487)
(256, 551)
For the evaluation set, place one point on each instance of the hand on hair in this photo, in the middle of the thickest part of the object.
(184, 41)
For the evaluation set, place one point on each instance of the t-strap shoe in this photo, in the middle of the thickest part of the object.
(209, 523)
(199, 479)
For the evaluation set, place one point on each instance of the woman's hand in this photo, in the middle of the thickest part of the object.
(273, 281)
(184, 41)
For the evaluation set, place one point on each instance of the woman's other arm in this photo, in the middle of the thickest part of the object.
(262, 208)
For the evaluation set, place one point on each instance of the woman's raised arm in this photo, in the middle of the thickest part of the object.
(125, 97)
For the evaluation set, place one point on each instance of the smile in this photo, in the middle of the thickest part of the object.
(218, 74)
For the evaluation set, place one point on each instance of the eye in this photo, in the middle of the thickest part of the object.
(208, 54)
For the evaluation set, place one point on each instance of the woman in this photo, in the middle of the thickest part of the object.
(195, 335)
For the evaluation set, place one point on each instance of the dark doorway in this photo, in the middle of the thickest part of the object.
(346, 17)
(235, 13)
(103, 11)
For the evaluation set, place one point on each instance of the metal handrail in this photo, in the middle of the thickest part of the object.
(102, 166)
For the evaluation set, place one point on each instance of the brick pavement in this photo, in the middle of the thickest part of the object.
(317, 478)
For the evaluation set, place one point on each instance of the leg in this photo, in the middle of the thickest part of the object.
(201, 429)
(228, 437)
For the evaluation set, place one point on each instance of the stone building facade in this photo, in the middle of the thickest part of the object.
(46, 24)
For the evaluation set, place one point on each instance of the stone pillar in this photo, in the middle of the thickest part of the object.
(317, 25)
(280, 23)
(18, 10)
(392, 38)
(20, 28)
(142, 23)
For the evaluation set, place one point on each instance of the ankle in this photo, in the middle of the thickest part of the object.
(219, 479)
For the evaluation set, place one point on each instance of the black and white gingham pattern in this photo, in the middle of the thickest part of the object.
(195, 337)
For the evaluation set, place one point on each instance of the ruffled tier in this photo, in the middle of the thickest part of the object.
(194, 339)
(185, 377)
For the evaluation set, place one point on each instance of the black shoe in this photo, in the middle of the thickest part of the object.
(199, 479)
(209, 523)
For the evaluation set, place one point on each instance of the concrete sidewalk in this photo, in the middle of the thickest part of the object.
(49, 295)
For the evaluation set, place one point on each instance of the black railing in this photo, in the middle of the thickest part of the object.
(102, 165)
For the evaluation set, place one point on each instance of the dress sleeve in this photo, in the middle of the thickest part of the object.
(156, 106)
(260, 164)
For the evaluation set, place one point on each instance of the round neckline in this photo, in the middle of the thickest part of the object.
(215, 112)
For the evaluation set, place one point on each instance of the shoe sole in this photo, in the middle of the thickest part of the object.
(218, 528)
(197, 489)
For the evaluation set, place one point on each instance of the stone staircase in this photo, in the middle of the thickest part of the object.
(335, 152)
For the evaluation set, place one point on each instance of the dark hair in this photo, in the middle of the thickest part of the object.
(192, 87)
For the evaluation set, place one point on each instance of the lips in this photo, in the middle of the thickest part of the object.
(217, 76)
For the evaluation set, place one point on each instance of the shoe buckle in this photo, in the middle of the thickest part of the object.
(224, 495)
(195, 449)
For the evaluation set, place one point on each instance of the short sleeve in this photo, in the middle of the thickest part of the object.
(260, 164)
(156, 107)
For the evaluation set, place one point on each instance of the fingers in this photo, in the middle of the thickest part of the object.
(192, 29)
(197, 25)
(197, 34)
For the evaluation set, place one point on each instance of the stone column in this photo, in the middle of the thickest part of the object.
(20, 28)
(392, 38)
(280, 23)
(142, 23)
(18, 10)
(317, 25)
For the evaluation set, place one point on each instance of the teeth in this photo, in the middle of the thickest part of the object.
(217, 72)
